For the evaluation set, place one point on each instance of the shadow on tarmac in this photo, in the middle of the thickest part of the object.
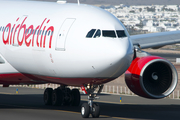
(126, 111)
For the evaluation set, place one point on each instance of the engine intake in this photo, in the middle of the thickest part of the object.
(151, 77)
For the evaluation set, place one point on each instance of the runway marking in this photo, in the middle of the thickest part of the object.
(105, 116)
(68, 111)
(12, 93)
(121, 118)
(110, 102)
(8, 93)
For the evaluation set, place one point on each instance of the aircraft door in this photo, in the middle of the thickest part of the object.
(63, 32)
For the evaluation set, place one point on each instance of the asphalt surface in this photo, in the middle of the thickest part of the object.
(28, 105)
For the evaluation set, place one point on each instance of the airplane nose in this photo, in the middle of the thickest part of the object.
(123, 56)
(123, 50)
(118, 58)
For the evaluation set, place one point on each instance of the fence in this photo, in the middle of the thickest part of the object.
(125, 90)
(107, 89)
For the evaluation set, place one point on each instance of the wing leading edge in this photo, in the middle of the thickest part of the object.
(156, 40)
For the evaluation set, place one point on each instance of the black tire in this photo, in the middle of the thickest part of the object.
(96, 110)
(48, 96)
(85, 110)
(57, 97)
(67, 97)
(76, 98)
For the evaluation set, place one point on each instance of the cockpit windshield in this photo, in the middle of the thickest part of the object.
(96, 33)
(109, 33)
(121, 33)
(90, 33)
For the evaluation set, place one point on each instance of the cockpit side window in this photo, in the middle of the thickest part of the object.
(98, 33)
(90, 33)
(121, 33)
(109, 33)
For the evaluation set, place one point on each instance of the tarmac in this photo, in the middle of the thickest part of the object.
(28, 105)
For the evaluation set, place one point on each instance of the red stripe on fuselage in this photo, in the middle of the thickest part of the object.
(18, 78)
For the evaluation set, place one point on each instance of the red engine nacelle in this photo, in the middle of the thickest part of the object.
(151, 77)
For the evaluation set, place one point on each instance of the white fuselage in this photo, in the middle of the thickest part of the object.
(55, 43)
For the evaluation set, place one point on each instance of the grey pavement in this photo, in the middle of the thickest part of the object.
(28, 105)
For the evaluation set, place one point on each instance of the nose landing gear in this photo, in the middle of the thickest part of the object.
(91, 107)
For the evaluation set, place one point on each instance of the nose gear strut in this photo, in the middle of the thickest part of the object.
(91, 107)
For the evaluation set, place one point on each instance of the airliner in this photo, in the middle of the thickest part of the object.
(79, 45)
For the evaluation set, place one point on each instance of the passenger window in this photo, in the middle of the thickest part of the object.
(90, 33)
(98, 33)
(109, 33)
(121, 33)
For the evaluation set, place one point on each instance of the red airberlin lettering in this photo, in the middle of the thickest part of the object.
(27, 35)
(8, 28)
(23, 26)
(24, 34)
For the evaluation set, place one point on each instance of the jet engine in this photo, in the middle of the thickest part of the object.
(151, 77)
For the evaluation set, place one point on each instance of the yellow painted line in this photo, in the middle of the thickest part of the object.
(122, 118)
(74, 112)
(80, 113)
(68, 111)
(12, 93)
(7, 93)
(105, 116)
(77, 112)
(109, 102)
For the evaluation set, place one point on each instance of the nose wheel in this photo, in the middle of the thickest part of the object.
(95, 110)
(91, 107)
(85, 110)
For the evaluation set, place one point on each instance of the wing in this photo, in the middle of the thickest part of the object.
(156, 40)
